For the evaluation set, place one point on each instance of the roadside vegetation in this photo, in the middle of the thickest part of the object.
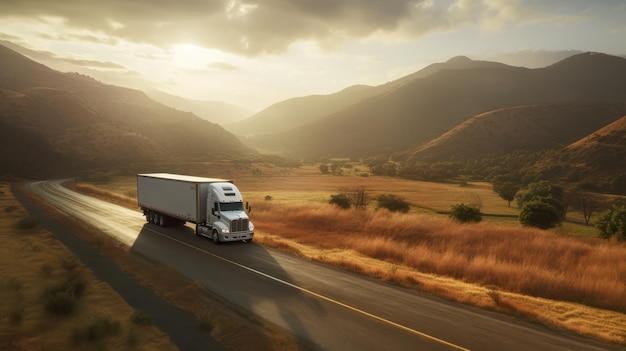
(50, 301)
(566, 276)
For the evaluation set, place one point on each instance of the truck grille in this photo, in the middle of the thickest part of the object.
(239, 225)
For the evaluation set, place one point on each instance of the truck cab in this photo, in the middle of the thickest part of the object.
(226, 219)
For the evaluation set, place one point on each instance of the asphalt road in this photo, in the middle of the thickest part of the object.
(330, 309)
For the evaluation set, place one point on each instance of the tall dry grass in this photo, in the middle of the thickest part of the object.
(527, 261)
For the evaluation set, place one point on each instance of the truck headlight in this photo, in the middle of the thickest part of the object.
(250, 226)
(225, 230)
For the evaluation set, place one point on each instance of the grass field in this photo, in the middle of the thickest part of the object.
(34, 315)
(563, 277)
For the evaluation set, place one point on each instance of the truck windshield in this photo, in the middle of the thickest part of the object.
(231, 206)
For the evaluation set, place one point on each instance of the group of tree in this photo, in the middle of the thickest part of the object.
(544, 205)
(352, 198)
(359, 198)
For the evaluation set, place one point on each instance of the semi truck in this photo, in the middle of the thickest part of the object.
(215, 206)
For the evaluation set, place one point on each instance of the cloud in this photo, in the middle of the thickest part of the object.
(223, 66)
(93, 63)
(253, 27)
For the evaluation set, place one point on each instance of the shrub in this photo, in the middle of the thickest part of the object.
(28, 222)
(140, 318)
(540, 214)
(612, 222)
(268, 197)
(61, 299)
(341, 200)
(10, 208)
(99, 329)
(466, 213)
(393, 203)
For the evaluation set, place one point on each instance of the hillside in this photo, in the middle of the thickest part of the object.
(423, 109)
(301, 111)
(213, 111)
(90, 124)
(530, 128)
(596, 161)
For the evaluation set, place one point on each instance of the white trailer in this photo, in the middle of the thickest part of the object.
(215, 206)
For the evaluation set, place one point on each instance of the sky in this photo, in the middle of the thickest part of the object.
(254, 53)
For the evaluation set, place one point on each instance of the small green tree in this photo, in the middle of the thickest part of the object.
(393, 203)
(546, 192)
(613, 222)
(539, 213)
(506, 190)
(465, 213)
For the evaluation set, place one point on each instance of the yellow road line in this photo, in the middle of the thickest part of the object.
(394, 324)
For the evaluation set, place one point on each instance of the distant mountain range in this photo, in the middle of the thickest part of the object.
(570, 115)
(56, 123)
(419, 108)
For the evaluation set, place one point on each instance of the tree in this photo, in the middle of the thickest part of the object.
(506, 190)
(613, 222)
(341, 200)
(539, 213)
(585, 202)
(466, 213)
(544, 191)
(360, 198)
(393, 203)
(324, 168)
(357, 197)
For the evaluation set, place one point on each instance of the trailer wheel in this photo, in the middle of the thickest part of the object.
(161, 220)
(216, 237)
(155, 218)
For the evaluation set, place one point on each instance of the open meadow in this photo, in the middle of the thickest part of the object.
(565, 277)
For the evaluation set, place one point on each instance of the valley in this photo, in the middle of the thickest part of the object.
(478, 264)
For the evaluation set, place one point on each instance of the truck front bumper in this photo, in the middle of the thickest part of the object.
(236, 236)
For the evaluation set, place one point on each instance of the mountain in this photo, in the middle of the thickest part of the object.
(88, 124)
(529, 128)
(422, 109)
(301, 111)
(213, 111)
(595, 162)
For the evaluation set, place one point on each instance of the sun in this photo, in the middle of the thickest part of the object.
(190, 56)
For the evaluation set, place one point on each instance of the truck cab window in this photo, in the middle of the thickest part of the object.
(231, 206)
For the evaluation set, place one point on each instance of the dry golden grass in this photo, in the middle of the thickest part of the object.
(573, 282)
(32, 260)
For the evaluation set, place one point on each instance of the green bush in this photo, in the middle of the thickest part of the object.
(465, 213)
(613, 222)
(540, 214)
(341, 200)
(393, 203)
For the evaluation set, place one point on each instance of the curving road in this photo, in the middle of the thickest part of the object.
(327, 308)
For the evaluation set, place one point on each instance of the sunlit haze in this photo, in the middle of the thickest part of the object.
(254, 54)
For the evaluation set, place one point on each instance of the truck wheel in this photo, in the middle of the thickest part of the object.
(161, 221)
(155, 218)
(216, 237)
